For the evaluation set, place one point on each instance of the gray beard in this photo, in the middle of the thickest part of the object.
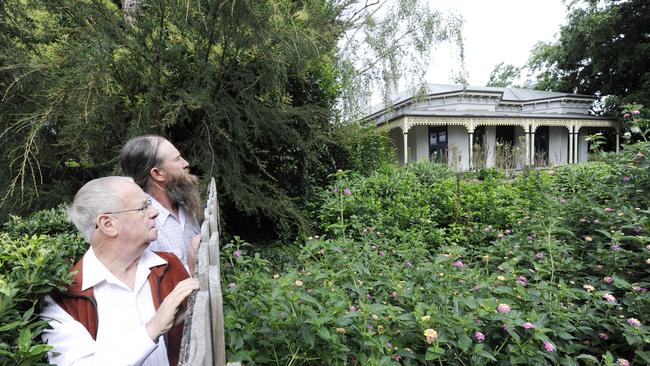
(181, 191)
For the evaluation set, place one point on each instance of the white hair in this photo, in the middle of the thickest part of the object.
(94, 198)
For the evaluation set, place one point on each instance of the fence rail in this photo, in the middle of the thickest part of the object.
(203, 340)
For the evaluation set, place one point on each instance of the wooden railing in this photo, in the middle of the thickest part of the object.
(203, 340)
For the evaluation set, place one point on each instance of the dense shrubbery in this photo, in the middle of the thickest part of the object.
(415, 267)
(419, 266)
(35, 254)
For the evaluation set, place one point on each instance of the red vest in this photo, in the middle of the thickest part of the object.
(82, 307)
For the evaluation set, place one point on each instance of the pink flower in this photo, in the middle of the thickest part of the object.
(522, 281)
(626, 115)
(549, 347)
(633, 322)
(336, 190)
(347, 191)
(608, 280)
(231, 285)
(352, 308)
(622, 362)
(639, 289)
(608, 209)
(458, 264)
(237, 253)
(609, 298)
(503, 308)
(638, 157)
(382, 253)
(480, 337)
(562, 200)
(500, 236)
(604, 336)
(635, 113)
(539, 256)
(393, 294)
(647, 247)
(488, 229)
(596, 221)
(528, 325)
(615, 247)
(626, 179)
(508, 232)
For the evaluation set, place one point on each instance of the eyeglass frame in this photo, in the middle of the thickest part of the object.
(147, 204)
(143, 209)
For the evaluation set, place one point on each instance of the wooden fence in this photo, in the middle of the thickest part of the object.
(203, 340)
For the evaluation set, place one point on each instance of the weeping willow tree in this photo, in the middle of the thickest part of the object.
(248, 91)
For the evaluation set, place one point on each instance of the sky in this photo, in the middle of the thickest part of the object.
(495, 31)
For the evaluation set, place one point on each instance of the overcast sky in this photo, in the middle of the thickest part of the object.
(496, 31)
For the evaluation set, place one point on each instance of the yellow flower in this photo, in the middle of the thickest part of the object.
(375, 317)
(647, 261)
(486, 258)
(340, 330)
(431, 335)
(298, 283)
(588, 238)
(501, 278)
(276, 276)
(425, 318)
(380, 329)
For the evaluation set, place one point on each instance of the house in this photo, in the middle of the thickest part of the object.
(472, 127)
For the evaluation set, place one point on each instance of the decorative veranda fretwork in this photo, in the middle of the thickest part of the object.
(470, 123)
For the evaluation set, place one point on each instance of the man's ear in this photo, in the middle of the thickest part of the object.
(106, 225)
(156, 174)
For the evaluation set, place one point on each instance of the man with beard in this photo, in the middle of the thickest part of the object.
(160, 170)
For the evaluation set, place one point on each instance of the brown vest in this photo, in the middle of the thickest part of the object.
(82, 307)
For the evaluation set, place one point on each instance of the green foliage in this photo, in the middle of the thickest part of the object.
(504, 75)
(393, 263)
(602, 48)
(31, 265)
(245, 89)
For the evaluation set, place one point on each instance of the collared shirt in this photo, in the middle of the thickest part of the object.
(122, 337)
(174, 234)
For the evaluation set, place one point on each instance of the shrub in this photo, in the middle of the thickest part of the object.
(30, 267)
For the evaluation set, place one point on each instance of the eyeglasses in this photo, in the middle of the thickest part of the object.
(142, 209)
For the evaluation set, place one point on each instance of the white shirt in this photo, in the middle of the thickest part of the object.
(122, 338)
(174, 234)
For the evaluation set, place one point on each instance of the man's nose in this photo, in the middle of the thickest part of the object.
(153, 213)
(186, 165)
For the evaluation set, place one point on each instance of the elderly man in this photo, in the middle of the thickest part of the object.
(160, 170)
(124, 306)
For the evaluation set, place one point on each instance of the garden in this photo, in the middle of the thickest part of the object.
(413, 265)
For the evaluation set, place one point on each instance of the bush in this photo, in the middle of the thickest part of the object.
(30, 267)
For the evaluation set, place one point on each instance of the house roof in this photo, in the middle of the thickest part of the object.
(484, 101)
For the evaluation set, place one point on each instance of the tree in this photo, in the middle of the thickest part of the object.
(603, 48)
(246, 89)
(504, 75)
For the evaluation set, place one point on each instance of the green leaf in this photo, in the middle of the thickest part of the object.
(24, 340)
(587, 357)
(323, 333)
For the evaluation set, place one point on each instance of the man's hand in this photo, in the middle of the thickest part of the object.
(168, 313)
(194, 252)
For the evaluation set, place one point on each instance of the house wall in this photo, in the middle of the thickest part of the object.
(457, 136)
(582, 145)
(419, 135)
(558, 145)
